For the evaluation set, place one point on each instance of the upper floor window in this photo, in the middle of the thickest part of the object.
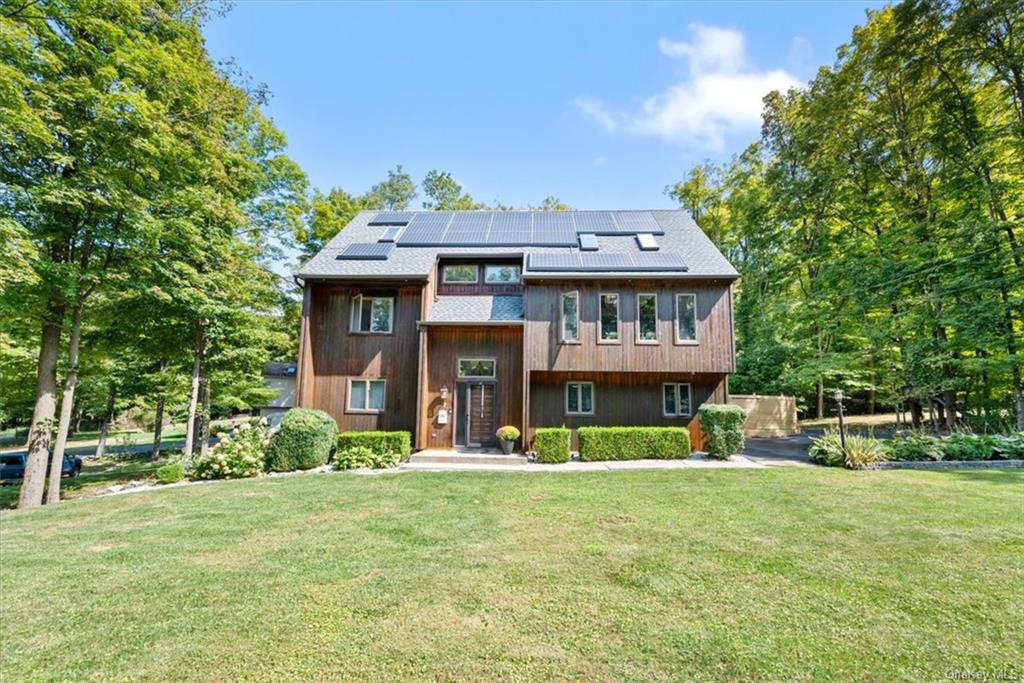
(372, 314)
(579, 398)
(570, 316)
(676, 399)
(466, 273)
(686, 318)
(609, 318)
(366, 395)
(500, 275)
(647, 318)
(477, 367)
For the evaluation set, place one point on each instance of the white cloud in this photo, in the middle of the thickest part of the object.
(721, 94)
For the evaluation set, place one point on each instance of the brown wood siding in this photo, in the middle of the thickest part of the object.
(445, 345)
(620, 399)
(335, 355)
(713, 352)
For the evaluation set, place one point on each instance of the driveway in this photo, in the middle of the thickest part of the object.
(780, 451)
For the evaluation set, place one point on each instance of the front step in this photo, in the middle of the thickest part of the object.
(457, 458)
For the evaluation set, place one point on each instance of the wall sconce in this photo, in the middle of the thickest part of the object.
(444, 395)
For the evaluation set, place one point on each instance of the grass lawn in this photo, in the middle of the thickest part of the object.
(96, 476)
(794, 574)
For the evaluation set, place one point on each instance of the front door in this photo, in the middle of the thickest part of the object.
(475, 412)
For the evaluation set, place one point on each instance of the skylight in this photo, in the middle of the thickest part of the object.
(390, 234)
(588, 242)
(647, 242)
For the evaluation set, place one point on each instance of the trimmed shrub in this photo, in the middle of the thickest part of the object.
(170, 473)
(239, 454)
(1009, 447)
(399, 443)
(304, 440)
(552, 444)
(827, 450)
(967, 447)
(913, 446)
(633, 443)
(723, 428)
(357, 457)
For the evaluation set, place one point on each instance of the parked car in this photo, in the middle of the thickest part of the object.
(12, 467)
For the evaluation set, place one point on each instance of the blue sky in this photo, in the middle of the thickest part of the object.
(599, 104)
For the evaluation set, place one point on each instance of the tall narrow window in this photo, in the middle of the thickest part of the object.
(686, 318)
(610, 318)
(647, 318)
(366, 395)
(372, 314)
(579, 398)
(571, 317)
(676, 399)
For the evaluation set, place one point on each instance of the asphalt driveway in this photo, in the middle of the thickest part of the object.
(780, 451)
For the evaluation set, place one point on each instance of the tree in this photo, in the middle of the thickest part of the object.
(445, 193)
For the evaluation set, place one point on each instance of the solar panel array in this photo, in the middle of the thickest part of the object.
(374, 251)
(590, 262)
(513, 228)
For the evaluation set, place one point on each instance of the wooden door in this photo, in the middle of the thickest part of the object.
(476, 414)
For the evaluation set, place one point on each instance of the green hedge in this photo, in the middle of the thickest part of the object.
(552, 444)
(170, 473)
(399, 443)
(723, 429)
(356, 457)
(633, 443)
(304, 440)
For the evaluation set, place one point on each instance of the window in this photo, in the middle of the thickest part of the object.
(372, 314)
(476, 367)
(366, 395)
(501, 274)
(461, 274)
(647, 318)
(686, 318)
(609, 318)
(571, 317)
(579, 398)
(676, 399)
(588, 242)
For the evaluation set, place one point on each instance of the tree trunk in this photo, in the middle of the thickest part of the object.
(204, 419)
(42, 415)
(108, 416)
(950, 397)
(67, 404)
(79, 414)
(916, 413)
(190, 432)
(158, 421)
(821, 399)
(871, 390)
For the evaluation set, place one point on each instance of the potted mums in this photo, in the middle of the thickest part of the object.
(507, 436)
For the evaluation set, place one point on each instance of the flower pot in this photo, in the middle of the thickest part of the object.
(506, 446)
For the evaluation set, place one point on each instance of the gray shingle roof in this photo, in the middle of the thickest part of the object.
(681, 236)
(477, 309)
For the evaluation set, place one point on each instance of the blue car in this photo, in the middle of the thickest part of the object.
(12, 467)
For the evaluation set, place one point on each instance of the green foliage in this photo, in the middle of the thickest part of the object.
(913, 446)
(861, 451)
(446, 193)
(508, 433)
(552, 444)
(723, 428)
(967, 447)
(305, 440)
(170, 473)
(633, 443)
(827, 450)
(378, 442)
(1009, 447)
(358, 457)
(237, 455)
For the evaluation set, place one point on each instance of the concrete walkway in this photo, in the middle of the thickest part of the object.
(694, 462)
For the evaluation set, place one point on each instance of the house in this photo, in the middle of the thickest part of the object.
(279, 378)
(451, 324)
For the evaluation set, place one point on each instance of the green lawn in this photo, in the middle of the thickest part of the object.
(787, 574)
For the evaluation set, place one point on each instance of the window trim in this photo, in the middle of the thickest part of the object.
(600, 319)
(561, 318)
(474, 281)
(579, 398)
(675, 321)
(638, 339)
(517, 281)
(365, 411)
(356, 313)
(458, 369)
(675, 388)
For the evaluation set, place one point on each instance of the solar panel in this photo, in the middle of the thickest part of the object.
(554, 228)
(651, 261)
(563, 261)
(392, 218)
(510, 228)
(591, 262)
(374, 251)
(588, 242)
(597, 222)
(390, 233)
(647, 242)
(636, 222)
(468, 229)
(426, 228)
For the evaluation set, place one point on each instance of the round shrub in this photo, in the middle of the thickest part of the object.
(170, 473)
(723, 427)
(304, 440)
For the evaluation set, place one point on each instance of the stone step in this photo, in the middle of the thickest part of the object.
(457, 458)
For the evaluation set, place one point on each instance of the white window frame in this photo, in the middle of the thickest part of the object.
(639, 339)
(460, 361)
(600, 318)
(474, 281)
(675, 320)
(355, 318)
(676, 386)
(579, 398)
(497, 266)
(561, 318)
(364, 410)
